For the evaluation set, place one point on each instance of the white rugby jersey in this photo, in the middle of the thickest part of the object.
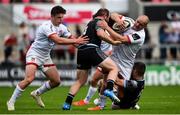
(124, 54)
(105, 46)
(42, 44)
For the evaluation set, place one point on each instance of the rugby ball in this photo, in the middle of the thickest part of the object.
(116, 27)
(128, 22)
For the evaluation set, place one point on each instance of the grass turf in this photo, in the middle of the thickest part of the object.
(154, 100)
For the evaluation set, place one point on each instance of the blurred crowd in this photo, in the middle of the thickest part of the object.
(17, 44)
(168, 35)
(168, 41)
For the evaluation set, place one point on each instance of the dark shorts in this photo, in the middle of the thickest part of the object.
(89, 56)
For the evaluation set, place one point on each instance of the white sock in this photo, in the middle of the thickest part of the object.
(17, 93)
(103, 101)
(45, 87)
(91, 92)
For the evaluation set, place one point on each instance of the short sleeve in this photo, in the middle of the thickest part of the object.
(48, 30)
(66, 32)
(136, 38)
(97, 27)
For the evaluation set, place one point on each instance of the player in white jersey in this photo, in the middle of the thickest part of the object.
(132, 40)
(38, 56)
(124, 54)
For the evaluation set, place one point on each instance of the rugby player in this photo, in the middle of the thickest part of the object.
(38, 56)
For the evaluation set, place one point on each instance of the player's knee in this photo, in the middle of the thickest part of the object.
(29, 80)
(82, 81)
(94, 82)
(114, 69)
(56, 83)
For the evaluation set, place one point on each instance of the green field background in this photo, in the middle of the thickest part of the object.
(154, 100)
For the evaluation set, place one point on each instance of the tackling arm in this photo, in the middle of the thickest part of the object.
(104, 36)
(61, 40)
(116, 36)
(119, 19)
(113, 34)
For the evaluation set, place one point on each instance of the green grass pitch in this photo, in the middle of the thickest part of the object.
(154, 100)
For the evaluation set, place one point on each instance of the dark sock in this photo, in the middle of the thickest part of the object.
(69, 98)
(110, 84)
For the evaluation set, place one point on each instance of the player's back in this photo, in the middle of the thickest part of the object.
(90, 31)
(132, 95)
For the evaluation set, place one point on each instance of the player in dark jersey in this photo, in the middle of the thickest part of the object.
(128, 91)
(90, 55)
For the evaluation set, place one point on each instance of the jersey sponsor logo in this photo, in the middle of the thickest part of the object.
(136, 36)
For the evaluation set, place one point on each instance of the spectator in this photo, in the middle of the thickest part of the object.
(23, 41)
(163, 36)
(9, 42)
(173, 40)
(175, 24)
(71, 52)
(174, 37)
(78, 30)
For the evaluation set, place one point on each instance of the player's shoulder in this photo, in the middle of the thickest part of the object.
(62, 26)
(140, 83)
(46, 25)
(141, 33)
(138, 34)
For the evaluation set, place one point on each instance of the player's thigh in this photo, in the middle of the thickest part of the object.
(108, 64)
(97, 75)
(52, 73)
(30, 71)
(82, 75)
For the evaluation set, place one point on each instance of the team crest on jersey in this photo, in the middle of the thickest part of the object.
(136, 36)
(33, 59)
(60, 32)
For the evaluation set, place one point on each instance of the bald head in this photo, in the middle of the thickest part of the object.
(144, 19)
(141, 22)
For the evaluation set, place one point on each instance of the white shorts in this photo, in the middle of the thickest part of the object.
(42, 63)
(123, 71)
(106, 47)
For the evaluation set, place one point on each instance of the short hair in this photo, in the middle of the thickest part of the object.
(101, 12)
(57, 10)
(140, 68)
